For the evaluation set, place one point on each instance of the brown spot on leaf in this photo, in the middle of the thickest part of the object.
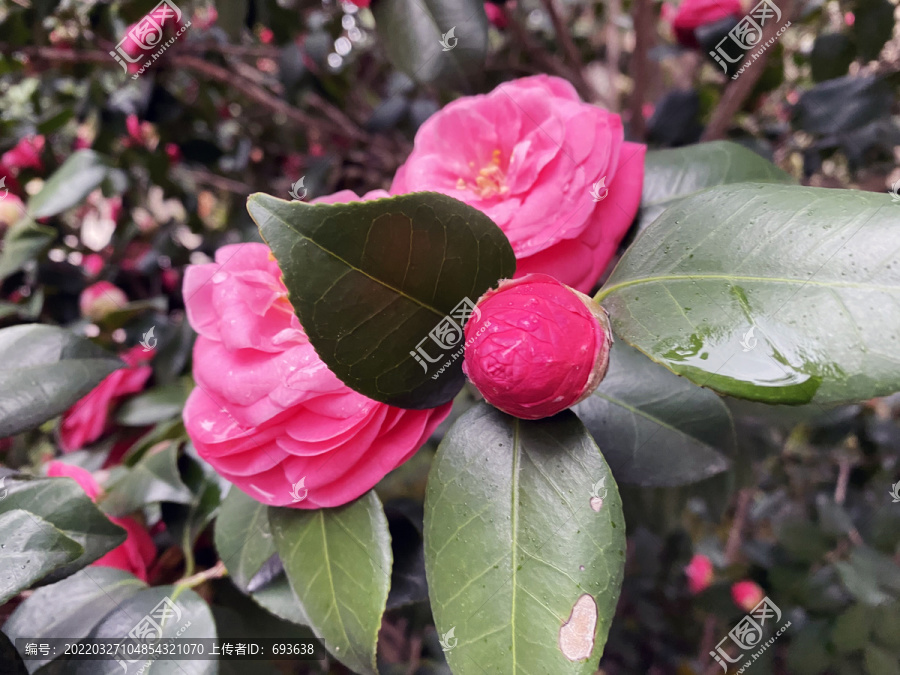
(576, 636)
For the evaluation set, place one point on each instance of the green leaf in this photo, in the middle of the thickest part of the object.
(32, 548)
(154, 478)
(186, 616)
(674, 174)
(244, 542)
(79, 175)
(371, 280)
(416, 36)
(62, 503)
(338, 562)
(43, 371)
(242, 536)
(523, 524)
(831, 56)
(811, 272)
(23, 242)
(72, 607)
(881, 662)
(657, 428)
(872, 26)
(155, 405)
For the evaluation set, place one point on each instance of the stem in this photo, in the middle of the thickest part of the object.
(644, 31)
(217, 571)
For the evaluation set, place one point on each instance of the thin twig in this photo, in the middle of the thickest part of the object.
(217, 571)
(738, 90)
(644, 30)
(570, 51)
(733, 545)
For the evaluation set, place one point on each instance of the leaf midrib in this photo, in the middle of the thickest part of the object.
(334, 255)
(603, 293)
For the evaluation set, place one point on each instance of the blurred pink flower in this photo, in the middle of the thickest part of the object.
(266, 413)
(691, 14)
(11, 209)
(25, 155)
(92, 264)
(86, 421)
(495, 15)
(699, 573)
(138, 551)
(747, 594)
(101, 298)
(530, 155)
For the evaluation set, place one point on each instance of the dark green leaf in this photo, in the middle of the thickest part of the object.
(154, 478)
(852, 628)
(32, 548)
(232, 16)
(43, 371)
(523, 523)
(79, 175)
(10, 658)
(843, 104)
(873, 23)
(371, 280)
(417, 37)
(831, 56)
(655, 427)
(244, 543)
(71, 607)
(180, 613)
(338, 562)
(153, 406)
(881, 662)
(23, 242)
(774, 293)
(62, 503)
(672, 175)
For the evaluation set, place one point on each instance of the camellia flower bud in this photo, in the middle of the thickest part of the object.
(535, 346)
(98, 300)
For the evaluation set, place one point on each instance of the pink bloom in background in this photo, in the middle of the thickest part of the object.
(86, 421)
(266, 413)
(528, 154)
(138, 551)
(699, 573)
(360, 3)
(691, 14)
(495, 15)
(535, 347)
(92, 264)
(98, 300)
(11, 209)
(25, 155)
(747, 594)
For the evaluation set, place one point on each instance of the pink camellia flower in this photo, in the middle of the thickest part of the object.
(267, 413)
(551, 171)
(535, 347)
(692, 14)
(138, 551)
(747, 594)
(699, 573)
(25, 155)
(86, 421)
(98, 300)
(360, 3)
(495, 15)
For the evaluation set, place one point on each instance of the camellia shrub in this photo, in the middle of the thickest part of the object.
(502, 376)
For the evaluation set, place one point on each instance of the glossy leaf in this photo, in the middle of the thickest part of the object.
(338, 562)
(32, 548)
(523, 523)
(76, 178)
(155, 405)
(155, 478)
(22, 243)
(43, 371)
(371, 280)
(244, 543)
(63, 504)
(656, 428)
(178, 611)
(71, 607)
(672, 175)
(775, 293)
(434, 40)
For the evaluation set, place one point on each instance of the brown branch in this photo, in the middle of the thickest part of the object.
(738, 90)
(570, 51)
(733, 545)
(645, 33)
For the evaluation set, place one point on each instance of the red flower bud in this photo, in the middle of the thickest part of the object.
(536, 347)
(699, 573)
